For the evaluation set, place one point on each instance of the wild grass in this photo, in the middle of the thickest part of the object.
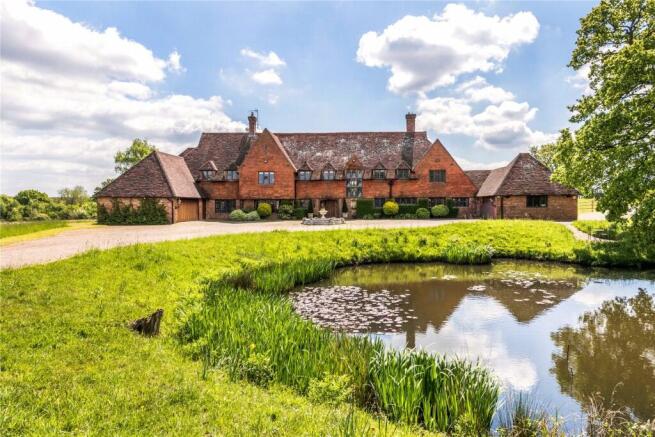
(15, 229)
(447, 395)
(69, 365)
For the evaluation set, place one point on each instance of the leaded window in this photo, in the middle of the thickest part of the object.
(266, 177)
(304, 175)
(231, 175)
(328, 175)
(402, 173)
(354, 183)
(225, 206)
(379, 174)
(437, 175)
(537, 201)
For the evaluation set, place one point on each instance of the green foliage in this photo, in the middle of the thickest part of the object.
(330, 389)
(365, 207)
(285, 212)
(257, 368)
(238, 215)
(423, 213)
(150, 212)
(125, 159)
(264, 210)
(252, 216)
(35, 205)
(610, 156)
(299, 213)
(390, 208)
(102, 185)
(416, 387)
(423, 203)
(453, 211)
(407, 209)
(15, 229)
(73, 196)
(440, 211)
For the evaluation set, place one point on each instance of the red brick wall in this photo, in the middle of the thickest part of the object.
(266, 155)
(561, 208)
(321, 189)
(220, 189)
(375, 188)
(136, 203)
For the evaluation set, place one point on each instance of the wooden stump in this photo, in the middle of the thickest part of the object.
(149, 325)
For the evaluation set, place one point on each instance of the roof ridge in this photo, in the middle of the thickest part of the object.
(163, 169)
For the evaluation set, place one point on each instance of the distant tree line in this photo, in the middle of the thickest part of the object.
(72, 203)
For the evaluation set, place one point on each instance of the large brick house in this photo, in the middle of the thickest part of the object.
(238, 170)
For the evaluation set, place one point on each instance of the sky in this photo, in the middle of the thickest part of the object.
(80, 80)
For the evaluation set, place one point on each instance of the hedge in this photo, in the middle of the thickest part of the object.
(365, 207)
(150, 212)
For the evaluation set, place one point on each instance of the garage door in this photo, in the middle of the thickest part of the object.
(187, 211)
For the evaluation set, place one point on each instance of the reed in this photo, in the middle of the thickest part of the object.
(446, 395)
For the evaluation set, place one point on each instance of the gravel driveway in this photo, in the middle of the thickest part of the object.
(69, 243)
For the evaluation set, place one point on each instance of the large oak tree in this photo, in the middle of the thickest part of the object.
(611, 155)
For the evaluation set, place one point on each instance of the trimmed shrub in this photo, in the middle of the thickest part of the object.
(299, 213)
(238, 215)
(365, 207)
(252, 216)
(452, 210)
(285, 212)
(439, 211)
(150, 212)
(390, 208)
(423, 203)
(423, 213)
(407, 209)
(264, 210)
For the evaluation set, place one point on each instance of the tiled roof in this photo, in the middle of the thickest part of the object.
(157, 175)
(314, 151)
(477, 176)
(525, 175)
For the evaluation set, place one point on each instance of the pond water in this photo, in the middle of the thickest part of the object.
(542, 328)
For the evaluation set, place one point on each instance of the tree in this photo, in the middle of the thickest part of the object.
(544, 154)
(125, 159)
(102, 185)
(611, 156)
(29, 197)
(73, 196)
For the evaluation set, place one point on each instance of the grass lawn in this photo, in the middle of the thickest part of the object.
(69, 365)
(16, 232)
(599, 228)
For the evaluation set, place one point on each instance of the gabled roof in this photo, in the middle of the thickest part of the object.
(227, 150)
(477, 176)
(524, 175)
(157, 175)
(208, 166)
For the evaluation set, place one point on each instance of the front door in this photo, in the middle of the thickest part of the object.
(331, 206)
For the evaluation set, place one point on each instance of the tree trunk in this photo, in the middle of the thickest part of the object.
(149, 325)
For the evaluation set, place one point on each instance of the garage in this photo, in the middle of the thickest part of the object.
(187, 210)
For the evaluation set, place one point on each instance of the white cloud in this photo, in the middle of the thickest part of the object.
(265, 60)
(423, 54)
(72, 96)
(174, 63)
(580, 79)
(467, 164)
(478, 90)
(266, 77)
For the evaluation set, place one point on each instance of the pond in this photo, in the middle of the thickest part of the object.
(551, 330)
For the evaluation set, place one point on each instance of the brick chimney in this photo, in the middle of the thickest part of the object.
(252, 124)
(410, 119)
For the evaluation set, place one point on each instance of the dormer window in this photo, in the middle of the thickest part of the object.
(208, 174)
(329, 175)
(231, 175)
(379, 174)
(304, 175)
(402, 173)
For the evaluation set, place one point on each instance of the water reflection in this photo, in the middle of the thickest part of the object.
(501, 314)
(611, 354)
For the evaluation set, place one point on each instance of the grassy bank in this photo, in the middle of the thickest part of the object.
(599, 229)
(11, 233)
(70, 365)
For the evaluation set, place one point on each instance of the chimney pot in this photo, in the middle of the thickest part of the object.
(252, 123)
(410, 119)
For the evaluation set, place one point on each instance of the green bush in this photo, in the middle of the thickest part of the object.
(390, 208)
(365, 207)
(423, 203)
(453, 211)
(238, 215)
(423, 213)
(407, 209)
(257, 369)
(264, 210)
(285, 212)
(299, 213)
(35, 205)
(150, 212)
(252, 216)
(330, 389)
(439, 211)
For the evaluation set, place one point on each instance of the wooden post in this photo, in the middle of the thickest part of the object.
(148, 325)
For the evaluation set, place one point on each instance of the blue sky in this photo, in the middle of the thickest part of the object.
(74, 92)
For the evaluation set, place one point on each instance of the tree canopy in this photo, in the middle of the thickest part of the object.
(125, 159)
(611, 155)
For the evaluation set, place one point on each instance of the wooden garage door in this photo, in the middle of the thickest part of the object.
(187, 211)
